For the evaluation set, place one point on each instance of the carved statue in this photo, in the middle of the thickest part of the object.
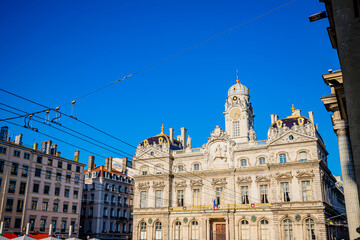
(188, 142)
(252, 134)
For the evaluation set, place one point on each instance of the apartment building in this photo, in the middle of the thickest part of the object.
(39, 187)
(107, 202)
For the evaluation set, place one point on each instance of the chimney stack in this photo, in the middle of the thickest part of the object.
(35, 146)
(53, 149)
(124, 164)
(48, 146)
(4, 133)
(43, 147)
(272, 118)
(311, 116)
(77, 156)
(171, 134)
(183, 137)
(276, 117)
(58, 154)
(91, 163)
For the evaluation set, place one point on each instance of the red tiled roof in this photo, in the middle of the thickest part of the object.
(102, 169)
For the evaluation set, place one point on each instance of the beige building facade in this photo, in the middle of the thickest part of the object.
(41, 188)
(236, 187)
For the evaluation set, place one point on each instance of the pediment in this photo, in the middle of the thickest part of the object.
(150, 152)
(263, 179)
(284, 176)
(305, 174)
(244, 180)
(180, 184)
(291, 137)
(143, 186)
(160, 184)
(218, 181)
(196, 183)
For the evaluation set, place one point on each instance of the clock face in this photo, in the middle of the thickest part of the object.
(235, 113)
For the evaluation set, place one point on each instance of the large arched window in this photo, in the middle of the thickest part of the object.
(177, 231)
(143, 231)
(195, 230)
(309, 229)
(288, 230)
(245, 230)
(158, 231)
(264, 230)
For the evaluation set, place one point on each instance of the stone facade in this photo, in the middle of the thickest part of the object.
(47, 189)
(236, 187)
(107, 202)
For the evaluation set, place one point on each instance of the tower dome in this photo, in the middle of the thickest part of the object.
(237, 89)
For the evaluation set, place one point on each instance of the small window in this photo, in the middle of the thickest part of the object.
(282, 158)
(291, 137)
(180, 168)
(26, 155)
(243, 162)
(60, 164)
(14, 169)
(196, 167)
(37, 172)
(16, 153)
(39, 159)
(262, 161)
(303, 156)
(159, 169)
(77, 168)
(50, 162)
(69, 166)
(2, 150)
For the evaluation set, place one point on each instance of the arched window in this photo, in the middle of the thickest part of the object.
(143, 231)
(264, 230)
(282, 158)
(159, 169)
(158, 231)
(194, 230)
(288, 230)
(243, 162)
(180, 168)
(177, 231)
(245, 230)
(196, 167)
(262, 161)
(309, 229)
(303, 156)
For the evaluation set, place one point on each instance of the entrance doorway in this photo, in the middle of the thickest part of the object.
(220, 232)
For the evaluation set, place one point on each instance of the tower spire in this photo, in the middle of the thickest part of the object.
(237, 76)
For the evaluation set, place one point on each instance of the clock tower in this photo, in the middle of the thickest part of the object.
(239, 114)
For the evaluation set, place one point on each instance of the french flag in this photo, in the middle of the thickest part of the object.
(215, 205)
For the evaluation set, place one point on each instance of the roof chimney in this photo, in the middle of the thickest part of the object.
(48, 146)
(272, 118)
(53, 149)
(91, 163)
(58, 154)
(76, 156)
(171, 134)
(108, 163)
(43, 147)
(35, 146)
(183, 137)
(311, 116)
(18, 139)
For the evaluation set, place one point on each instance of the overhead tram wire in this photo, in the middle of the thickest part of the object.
(122, 152)
(178, 177)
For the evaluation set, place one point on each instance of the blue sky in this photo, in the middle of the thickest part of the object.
(55, 51)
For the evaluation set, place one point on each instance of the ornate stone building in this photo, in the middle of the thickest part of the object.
(236, 187)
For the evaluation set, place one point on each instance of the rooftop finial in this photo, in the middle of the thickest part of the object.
(292, 108)
(162, 129)
(237, 76)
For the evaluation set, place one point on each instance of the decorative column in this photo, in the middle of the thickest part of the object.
(227, 228)
(348, 174)
(207, 229)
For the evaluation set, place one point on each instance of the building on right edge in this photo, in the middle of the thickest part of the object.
(236, 187)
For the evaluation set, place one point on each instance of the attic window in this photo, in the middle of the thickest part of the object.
(152, 153)
(291, 137)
